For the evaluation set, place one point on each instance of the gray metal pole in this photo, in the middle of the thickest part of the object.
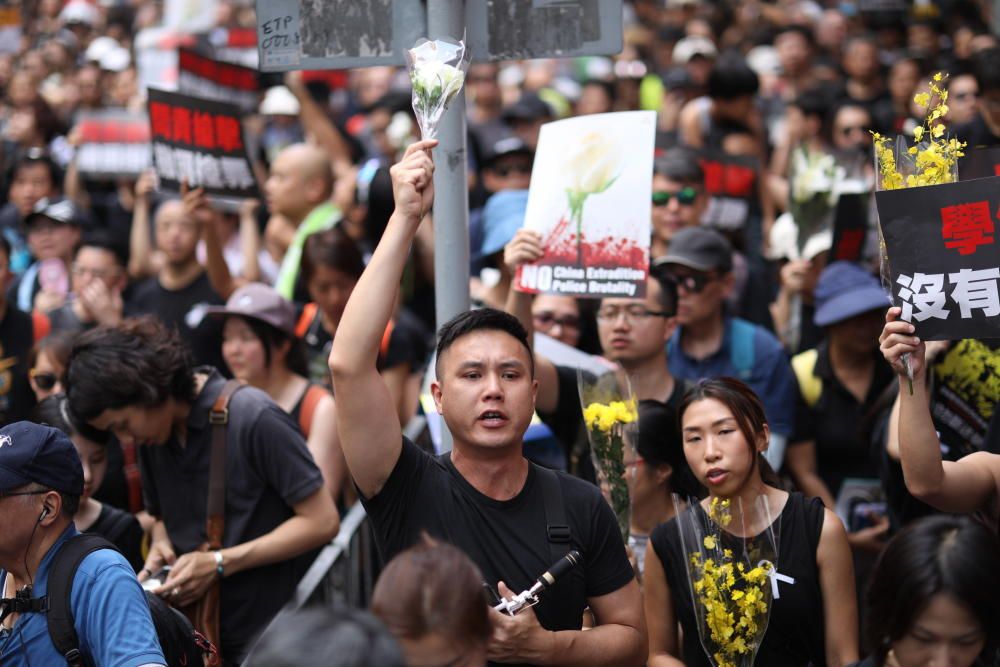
(446, 18)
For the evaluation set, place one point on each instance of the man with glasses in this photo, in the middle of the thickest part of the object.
(41, 481)
(984, 129)
(633, 334)
(852, 127)
(679, 198)
(708, 342)
(97, 278)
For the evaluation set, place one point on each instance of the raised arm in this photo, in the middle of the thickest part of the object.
(526, 247)
(962, 486)
(318, 124)
(250, 240)
(197, 207)
(142, 261)
(371, 445)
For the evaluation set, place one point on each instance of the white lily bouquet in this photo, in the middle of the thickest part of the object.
(813, 195)
(437, 72)
(731, 553)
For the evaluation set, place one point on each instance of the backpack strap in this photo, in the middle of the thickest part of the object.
(556, 527)
(60, 586)
(218, 417)
(810, 384)
(305, 319)
(311, 399)
(741, 352)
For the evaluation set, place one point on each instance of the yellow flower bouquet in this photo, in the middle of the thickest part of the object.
(731, 557)
(610, 414)
(931, 159)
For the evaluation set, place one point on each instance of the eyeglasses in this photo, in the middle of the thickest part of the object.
(547, 318)
(633, 312)
(45, 381)
(23, 493)
(685, 197)
(504, 172)
(692, 283)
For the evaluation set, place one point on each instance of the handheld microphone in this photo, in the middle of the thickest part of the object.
(529, 598)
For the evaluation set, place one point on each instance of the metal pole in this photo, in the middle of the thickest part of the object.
(446, 18)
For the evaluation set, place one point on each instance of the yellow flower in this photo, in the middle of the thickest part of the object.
(937, 131)
(918, 132)
(922, 99)
(709, 542)
(938, 76)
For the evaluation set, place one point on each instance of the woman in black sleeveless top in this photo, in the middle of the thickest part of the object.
(813, 620)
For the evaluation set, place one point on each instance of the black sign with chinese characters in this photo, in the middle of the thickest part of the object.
(944, 257)
(850, 227)
(113, 144)
(201, 142)
(731, 183)
(202, 76)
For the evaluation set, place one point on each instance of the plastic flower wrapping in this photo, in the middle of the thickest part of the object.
(731, 553)
(931, 159)
(437, 72)
(611, 416)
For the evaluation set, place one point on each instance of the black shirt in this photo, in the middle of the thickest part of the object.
(184, 310)
(839, 424)
(122, 530)
(268, 470)
(976, 133)
(505, 539)
(17, 335)
(795, 630)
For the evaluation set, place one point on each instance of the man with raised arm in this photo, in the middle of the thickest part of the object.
(483, 496)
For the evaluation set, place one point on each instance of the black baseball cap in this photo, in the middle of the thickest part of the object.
(34, 454)
(529, 107)
(59, 210)
(700, 249)
(504, 147)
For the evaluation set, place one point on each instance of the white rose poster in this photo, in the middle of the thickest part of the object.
(590, 200)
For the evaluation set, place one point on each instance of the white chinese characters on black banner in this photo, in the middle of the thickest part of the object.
(944, 260)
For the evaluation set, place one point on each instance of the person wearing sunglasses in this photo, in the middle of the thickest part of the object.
(679, 198)
(507, 165)
(47, 362)
(852, 126)
(710, 342)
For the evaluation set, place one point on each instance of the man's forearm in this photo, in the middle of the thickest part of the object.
(603, 646)
(295, 536)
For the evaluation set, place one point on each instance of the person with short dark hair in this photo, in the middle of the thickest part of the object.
(41, 482)
(32, 177)
(984, 129)
(431, 598)
(732, 87)
(935, 595)
(117, 526)
(54, 229)
(136, 380)
(679, 197)
(97, 280)
(483, 496)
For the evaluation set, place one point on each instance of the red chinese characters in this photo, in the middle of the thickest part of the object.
(965, 227)
(227, 134)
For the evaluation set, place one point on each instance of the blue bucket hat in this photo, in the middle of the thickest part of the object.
(31, 453)
(846, 290)
(503, 215)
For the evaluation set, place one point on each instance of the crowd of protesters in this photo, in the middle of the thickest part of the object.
(210, 388)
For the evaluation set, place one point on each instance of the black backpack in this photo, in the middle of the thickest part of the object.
(182, 645)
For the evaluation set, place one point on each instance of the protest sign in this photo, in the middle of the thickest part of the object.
(731, 183)
(201, 142)
(966, 391)
(201, 76)
(590, 194)
(943, 257)
(979, 163)
(113, 144)
(190, 15)
(850, 227)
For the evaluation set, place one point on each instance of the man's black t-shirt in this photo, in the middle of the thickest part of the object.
(184, 310)
(506, 539)
(268, 471)
(976, 133)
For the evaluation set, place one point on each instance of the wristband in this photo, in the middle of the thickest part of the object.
(219, 563)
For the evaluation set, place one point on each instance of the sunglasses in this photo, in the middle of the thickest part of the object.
(547, 318)
(45, 381)
(853, 129)
(692, 284)
(685, 197)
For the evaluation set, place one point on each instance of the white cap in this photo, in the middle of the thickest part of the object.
(689, 47)
(116, 60)
(279, 101)
(79, 11)
(763, 60)
(100, 46)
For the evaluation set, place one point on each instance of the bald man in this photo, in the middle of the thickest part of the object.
(180, 291)
(298, 194)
